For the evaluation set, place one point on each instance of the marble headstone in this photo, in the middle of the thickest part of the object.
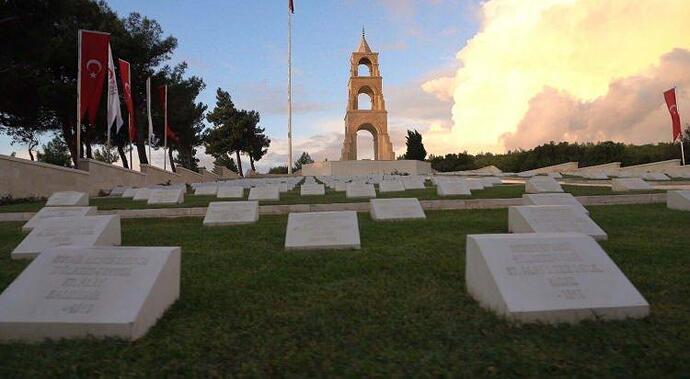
(50, 212)
(79, 292)
(231, 213)
(69, 231)
(396, 209)
(68, 199)
(118, 191)
(130, 192)
(413, 182)
(552, 219)
(553, 199)
(322, 230)
(452, 188)
(207, 189)
(142, 194)
(267, 193)
(679, 200)
(548, 277)
(166, 196)
(230, 192)
(312, 190)
(541, 184)
(629, 184)
(391, 186)
(359, 190)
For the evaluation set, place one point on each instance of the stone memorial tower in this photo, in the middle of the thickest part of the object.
(374, 120)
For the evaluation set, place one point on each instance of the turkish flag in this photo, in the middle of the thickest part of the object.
(93, 67)
(670, 97)
(127, 92)
(169, 134)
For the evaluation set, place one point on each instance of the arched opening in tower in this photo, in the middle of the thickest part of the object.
(364, 67)
(365, 102)
(365, 145)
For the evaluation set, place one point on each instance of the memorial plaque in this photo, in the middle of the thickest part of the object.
(552, 219)
(166, 196)
(340, 187)
(656, 176)
(68, 199)
(268, 193)
(473, 184)
(540, 184)
(79, 292)
(69, 231)
(118, 191)
(549, 278)
(312, 190)
(322, 230)
(629, 184)
(230, 192)
(413, 182)
(452, 188)
(142, 194)
(358, 190)
(553, 199)
(679, 200)
(207, 189)
(49, 212)
(391, 186)
(231, 213)
(130, 192)
(396, 209)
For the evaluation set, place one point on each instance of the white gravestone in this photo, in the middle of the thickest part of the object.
(142, 194)
(79, 292)
(49, 212)
(549, 278)
(360, 190)
(230, 192)
(553, 199)
(68, 199)
(679, 200)
(540, 184)
(452, 188)
(207, 189)
(340, 187)
(69, 231)
(629, 184)
(231, 213)
(396, 209)
(130, 192)
(269, 193)
(391, 186)
(312, 190)
(656, 176)
(322, 230)
(166, 196)
(552, 219)
(118, 191)
(413, 182)
(473, 184)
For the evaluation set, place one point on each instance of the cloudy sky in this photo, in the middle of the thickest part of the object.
(470, 75)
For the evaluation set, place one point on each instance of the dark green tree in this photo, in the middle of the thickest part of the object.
(105, 154)
(302, 160)
(227, 162)
(415, 147)
(55, 152)
(229, 132)
(258, 142)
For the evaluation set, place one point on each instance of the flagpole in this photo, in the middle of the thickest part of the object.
(76, 160)
(289, 163)
(131, 117)
(148, 107)
(165, 127)
(682, 151)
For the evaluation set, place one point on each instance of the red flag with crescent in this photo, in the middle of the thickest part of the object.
(670, 97)
(163, 92)
(93, 66)
(127, 92)
(291, 6)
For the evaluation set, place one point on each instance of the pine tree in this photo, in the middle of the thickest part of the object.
(415, 147)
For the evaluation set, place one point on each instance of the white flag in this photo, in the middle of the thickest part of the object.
(114, 112)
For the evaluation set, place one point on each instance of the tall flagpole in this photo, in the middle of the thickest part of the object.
(148, 107)
(289, 163)
(76, 160)
(165, 127)
(131, 117)
(682, 152)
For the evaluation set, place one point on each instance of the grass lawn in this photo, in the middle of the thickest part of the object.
(398, 307)
(293, 197)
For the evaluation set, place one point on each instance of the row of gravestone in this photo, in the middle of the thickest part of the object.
(548, 271)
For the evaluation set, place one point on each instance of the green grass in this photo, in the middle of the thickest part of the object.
(398, 307)
(293, 197)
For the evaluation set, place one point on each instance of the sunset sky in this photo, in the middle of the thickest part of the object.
(469, 75)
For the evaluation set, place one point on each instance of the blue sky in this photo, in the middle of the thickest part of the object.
(241, 46)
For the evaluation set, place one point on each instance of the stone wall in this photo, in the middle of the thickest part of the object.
(563, 167)
(189, 176)
(650, 167)
(155, 175)
(606, 168)
(208, 176)
(347, 168)
(104, 176)
(22, 178)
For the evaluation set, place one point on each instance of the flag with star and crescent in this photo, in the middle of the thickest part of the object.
(93, 64)
(670, 97)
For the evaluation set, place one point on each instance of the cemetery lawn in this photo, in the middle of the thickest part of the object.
(293, 197)
(398, 307)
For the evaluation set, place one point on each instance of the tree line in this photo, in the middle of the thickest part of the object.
(38, 75)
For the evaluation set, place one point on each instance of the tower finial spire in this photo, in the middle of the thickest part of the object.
(362, 31)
